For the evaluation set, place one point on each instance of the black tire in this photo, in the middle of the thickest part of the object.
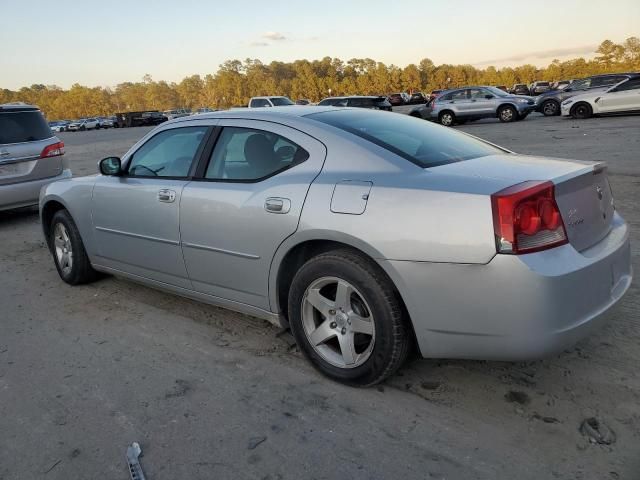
(83, 128)
(581, 111)
(507, 114)
(447, 118)
(550, 108)
(392, 339)
(81, 270)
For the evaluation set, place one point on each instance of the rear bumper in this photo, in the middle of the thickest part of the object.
(515, 307)
(24, 194)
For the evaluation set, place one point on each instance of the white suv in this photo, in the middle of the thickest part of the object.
(257, 102)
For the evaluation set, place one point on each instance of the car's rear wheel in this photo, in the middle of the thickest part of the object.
(507, 114)
(447, 118)
(550, 108)
(347, 319)
(68, 250)
(581, 111)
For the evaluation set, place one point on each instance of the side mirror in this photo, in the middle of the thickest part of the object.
(110, 166)
(488, 97)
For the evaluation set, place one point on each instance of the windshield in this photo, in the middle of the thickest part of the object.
(497, 92)
(420, 142)
(281, 101)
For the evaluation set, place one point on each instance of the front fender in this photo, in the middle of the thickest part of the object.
(75, 195)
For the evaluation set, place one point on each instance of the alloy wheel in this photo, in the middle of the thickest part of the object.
(338, 322)
(63, 248)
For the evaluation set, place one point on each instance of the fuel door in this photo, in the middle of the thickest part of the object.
(350, 197)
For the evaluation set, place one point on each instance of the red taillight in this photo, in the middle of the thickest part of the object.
(526, 218)
(53, 150)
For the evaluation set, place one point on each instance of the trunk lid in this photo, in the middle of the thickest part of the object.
(582, 190)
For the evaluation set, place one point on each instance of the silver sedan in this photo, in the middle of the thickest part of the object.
(368, 233)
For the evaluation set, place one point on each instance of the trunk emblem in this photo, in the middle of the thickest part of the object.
(602, 208)
(599, 191)
(572, 218)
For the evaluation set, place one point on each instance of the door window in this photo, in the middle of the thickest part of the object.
(633, 84)
(245, 154)
(168, 154)
(260, 102)
(478, 93)
(459, 95)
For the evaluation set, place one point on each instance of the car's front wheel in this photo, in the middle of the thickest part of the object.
(507, 114)
(582, 110)
(68, 250)
(347, 319)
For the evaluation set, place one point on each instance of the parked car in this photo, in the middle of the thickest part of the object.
(83, 124)
(148, 119)
(259, 102)
(202, 110)
(176, 113)
(536, 88)
(417, 98)
(303, 101)
(520, 89)
(549, 103)
(31, 156)
(473, 103)
(105, 122)
(292, 215)
(58, 126)
(396, 99)
(373, 102)
(622, 98)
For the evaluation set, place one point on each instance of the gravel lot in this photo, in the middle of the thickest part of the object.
(208, 393)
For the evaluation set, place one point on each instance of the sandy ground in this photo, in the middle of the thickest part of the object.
(208, 393)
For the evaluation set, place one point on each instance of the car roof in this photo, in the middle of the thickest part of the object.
(273, 113)
(18, 107)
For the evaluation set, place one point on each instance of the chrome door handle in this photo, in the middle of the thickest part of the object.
(166, 195)
(277, 205)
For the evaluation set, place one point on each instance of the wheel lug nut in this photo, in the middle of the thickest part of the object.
(344, 330)
(332, 312)
(333, 325)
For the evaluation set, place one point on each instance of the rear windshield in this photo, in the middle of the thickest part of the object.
(423, 143)
(19, 127)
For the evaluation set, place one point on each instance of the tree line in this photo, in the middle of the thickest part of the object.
(236, 81)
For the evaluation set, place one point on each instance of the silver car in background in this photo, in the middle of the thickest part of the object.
(366, 232)
(473, 103)
(30, 155)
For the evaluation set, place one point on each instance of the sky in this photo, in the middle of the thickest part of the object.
(64, 42)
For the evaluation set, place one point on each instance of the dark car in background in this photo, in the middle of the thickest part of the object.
(536, 88)
(549, 103)
(397, 99)
(374, 102)
(519, 89)
(417, 98)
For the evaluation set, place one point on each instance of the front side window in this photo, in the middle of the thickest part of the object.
(168, 154)
(633, 84)
(245, 154)
(420, 142)
(259, 102)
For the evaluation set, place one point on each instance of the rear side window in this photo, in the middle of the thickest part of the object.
(248, 155)
(281, 101)
(20, 127)
(423, 143)
(633, 84)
